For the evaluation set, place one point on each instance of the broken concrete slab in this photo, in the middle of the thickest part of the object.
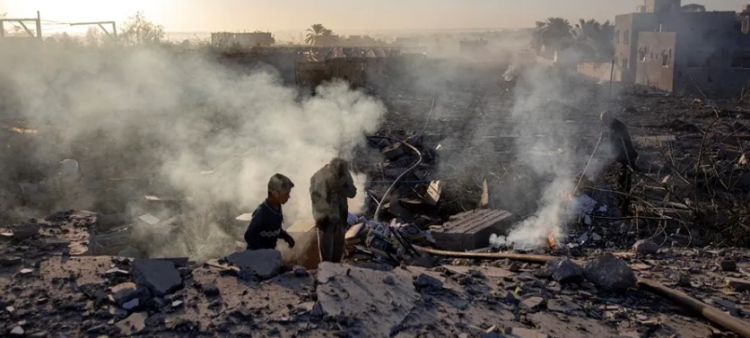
(161, 277)
(263, 263)
(564, 271)
(349, 291)
(609, 273)
(472, 229)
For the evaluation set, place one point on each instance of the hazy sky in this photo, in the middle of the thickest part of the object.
(341, 15)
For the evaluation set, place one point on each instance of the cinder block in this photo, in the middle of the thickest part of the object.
(472, 229)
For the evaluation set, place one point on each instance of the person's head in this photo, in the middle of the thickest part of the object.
(338, 167)
(606, 118)
(279, 188)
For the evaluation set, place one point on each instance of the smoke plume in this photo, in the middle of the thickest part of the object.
(548, 144)
(187, 126)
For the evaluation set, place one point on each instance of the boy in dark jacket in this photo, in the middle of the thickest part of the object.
(267, 224)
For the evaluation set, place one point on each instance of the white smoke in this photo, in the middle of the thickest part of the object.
(189, 125)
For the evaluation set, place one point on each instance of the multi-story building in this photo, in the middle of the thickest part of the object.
(673, 47)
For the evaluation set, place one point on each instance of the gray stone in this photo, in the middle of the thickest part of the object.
(609, 273)
(300, 271)
(427, 281)
(645, 247)
(263, 263)
(123, 293)
(159, 276)
(389, 280)
(564, 271)
(17, 331)
(132, 304)
(531, 304)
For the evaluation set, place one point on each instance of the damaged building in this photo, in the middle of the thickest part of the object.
(675, 48)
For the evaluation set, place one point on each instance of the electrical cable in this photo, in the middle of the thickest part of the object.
(406, 172)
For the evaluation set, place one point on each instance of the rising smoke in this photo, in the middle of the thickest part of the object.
(549, 145)
(190, 127)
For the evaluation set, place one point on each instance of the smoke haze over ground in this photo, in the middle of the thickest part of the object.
(190, 127)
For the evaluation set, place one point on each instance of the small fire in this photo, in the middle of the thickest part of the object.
(552, 241)
(567, 196)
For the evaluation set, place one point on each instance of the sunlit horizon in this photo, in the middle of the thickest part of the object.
(344, 17)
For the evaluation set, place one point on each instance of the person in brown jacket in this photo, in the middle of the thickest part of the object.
(330, 187)
(625, 157)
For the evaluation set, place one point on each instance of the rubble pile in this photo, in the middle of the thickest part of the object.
(252, 293)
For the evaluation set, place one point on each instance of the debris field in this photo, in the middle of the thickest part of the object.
(443, 179)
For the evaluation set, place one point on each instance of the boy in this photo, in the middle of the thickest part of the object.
(267, 224)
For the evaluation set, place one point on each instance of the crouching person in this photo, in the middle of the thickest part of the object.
(267, 224)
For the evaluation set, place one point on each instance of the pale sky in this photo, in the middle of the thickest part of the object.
(339, 15)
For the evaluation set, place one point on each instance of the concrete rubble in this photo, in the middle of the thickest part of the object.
(262, 263)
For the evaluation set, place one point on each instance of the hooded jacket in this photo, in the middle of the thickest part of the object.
(329, 195)
(622, 145)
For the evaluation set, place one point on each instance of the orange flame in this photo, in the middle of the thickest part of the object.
(552, 241)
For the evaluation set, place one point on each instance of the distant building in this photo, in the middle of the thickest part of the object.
(248, 40)
(361, 41)
(671, 47)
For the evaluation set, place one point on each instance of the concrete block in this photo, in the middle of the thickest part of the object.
(472, 229)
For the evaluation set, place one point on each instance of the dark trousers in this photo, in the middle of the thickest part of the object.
(331, 240)
(624, 185)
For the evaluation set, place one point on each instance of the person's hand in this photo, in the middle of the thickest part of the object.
(290, 241)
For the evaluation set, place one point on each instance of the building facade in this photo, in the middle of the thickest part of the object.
(676, 48)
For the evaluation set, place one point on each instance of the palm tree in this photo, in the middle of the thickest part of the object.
(552, 33)
(314, 32)
(595, 39)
